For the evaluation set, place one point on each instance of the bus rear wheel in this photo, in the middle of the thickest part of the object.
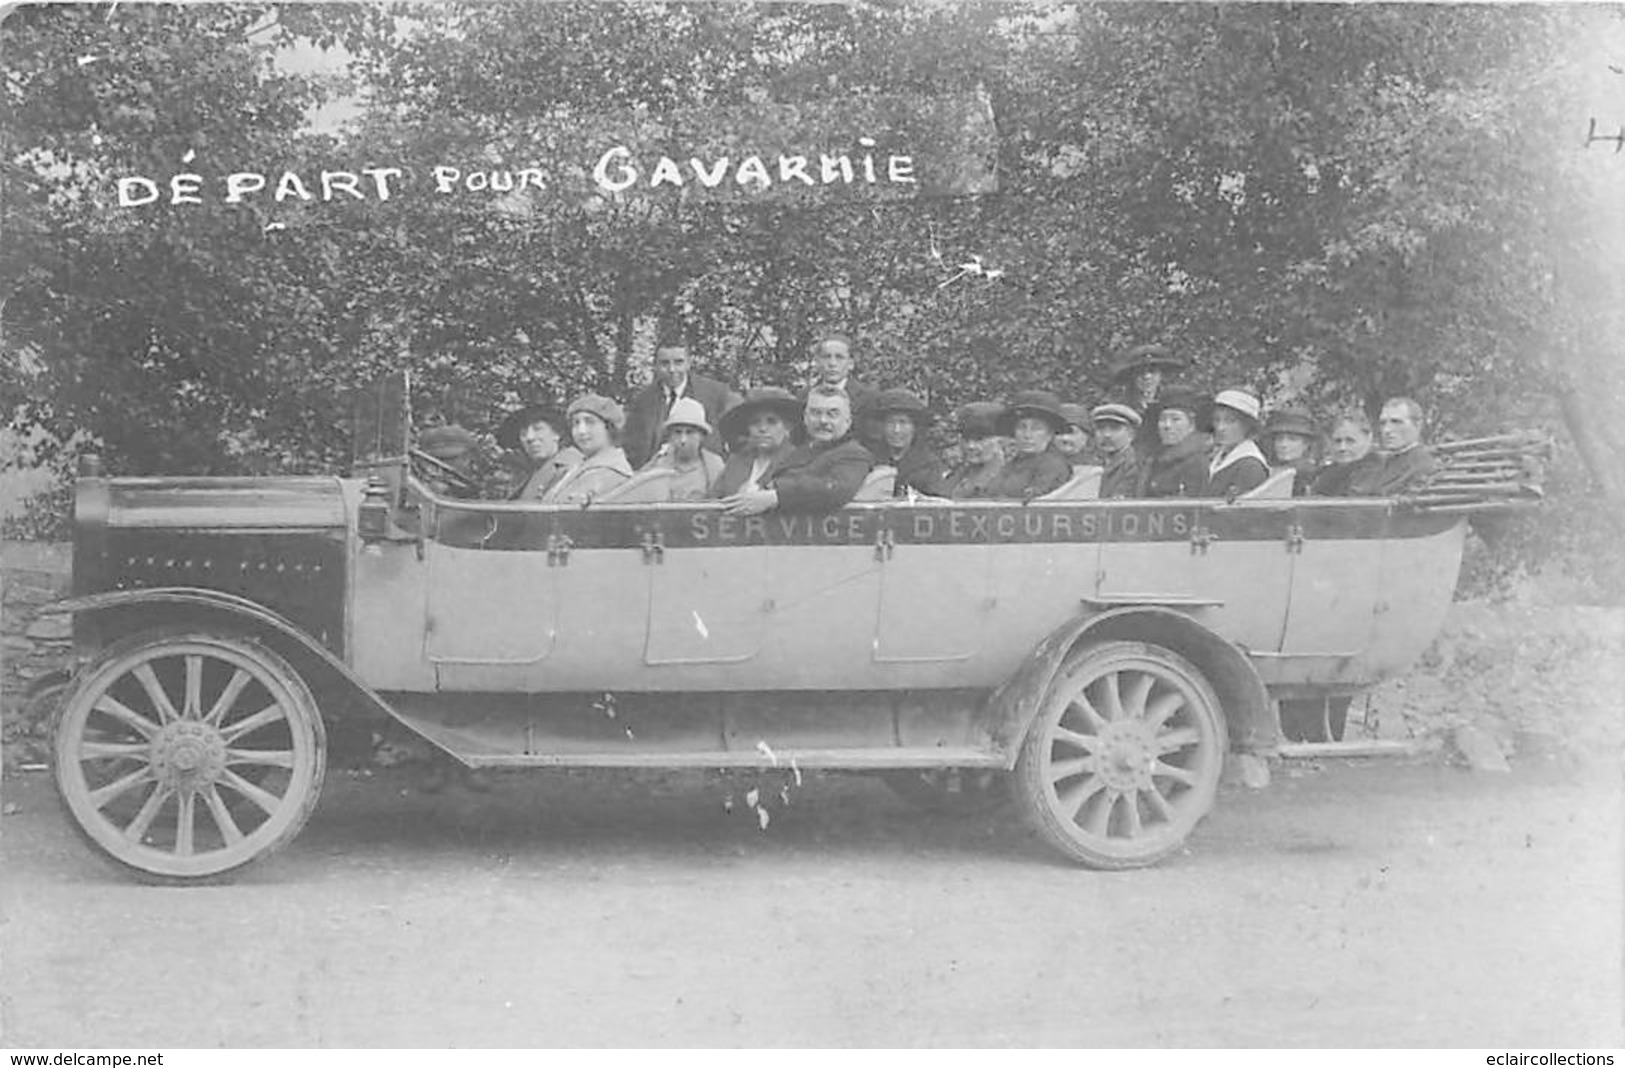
(1124, 756)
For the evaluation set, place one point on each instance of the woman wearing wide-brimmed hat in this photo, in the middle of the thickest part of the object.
(903, 417)
(760, 432)
(1237, 465)
(1141, 378)
(534, 437)
(981, 450)
(595, 426)
(1178, 467)
(1032, 421)
(1289, 437)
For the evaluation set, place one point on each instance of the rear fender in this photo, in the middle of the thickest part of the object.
(121, 612)
(1247, 708)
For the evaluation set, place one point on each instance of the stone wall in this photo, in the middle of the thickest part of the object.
(32, 646)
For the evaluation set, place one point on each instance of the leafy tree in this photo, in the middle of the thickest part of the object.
(1334, 202)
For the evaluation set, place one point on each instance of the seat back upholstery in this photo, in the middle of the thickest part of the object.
(878, 485)
(646, 487)
(1084, 485)
(1274, 488)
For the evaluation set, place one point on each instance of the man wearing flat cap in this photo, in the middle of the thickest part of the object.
(903, 418)
(982, 450)
(1115, 427)
(696, 467)
(1140, 374)
(819, 476)
(673, 381)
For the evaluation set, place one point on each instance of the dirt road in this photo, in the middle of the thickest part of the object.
(1349, 904)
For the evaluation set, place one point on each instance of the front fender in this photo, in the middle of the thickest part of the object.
(188, 604)
(1247, 708)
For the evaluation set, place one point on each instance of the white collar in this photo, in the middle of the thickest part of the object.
(1235, 454)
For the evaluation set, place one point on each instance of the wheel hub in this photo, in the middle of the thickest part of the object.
(1126, 756)
(188, 754)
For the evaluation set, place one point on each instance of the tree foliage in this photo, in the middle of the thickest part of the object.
(1332, 203)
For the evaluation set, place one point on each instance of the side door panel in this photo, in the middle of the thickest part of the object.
(1247, 567)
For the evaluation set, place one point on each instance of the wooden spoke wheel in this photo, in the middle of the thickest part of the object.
(958, 791)
(184, 755)
(1124, 756)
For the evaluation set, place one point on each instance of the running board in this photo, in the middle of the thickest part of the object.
(759, 759)
(1375, 747)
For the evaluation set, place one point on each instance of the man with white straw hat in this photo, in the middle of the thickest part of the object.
(1236, 465)
(697, 467)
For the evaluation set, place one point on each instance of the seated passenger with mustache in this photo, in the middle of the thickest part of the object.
(819, 476)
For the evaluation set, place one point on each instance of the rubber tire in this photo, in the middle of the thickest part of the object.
(1034, 792)
(87, 685)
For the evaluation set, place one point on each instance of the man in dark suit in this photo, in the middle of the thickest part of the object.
(819, 476)
(1404, 462)
(646, 414)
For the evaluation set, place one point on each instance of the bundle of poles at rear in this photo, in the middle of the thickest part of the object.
(1485, 472)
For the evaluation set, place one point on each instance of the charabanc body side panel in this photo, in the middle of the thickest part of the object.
(896, 596)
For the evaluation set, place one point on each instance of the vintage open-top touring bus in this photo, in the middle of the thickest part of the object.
(1098, 659)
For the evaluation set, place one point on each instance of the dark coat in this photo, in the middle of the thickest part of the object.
(1393, 474)
(1238, 476)
(1305, 477)
(1178, 471)
(1030, 475)
(1146, 441)
(819, 477)
(919, 469)
(1333, 479)
(537, 480)
(737, 470)
(644, 415)
(1121, 477)
(970, 481)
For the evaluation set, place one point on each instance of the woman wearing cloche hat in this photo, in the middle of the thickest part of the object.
(1289, 434)
(1237, 465)
(595, 425)
(903, 418)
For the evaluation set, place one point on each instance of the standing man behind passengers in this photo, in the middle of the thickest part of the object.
(1405, 462)
(674, 379)
(833, 360)
(819, 476)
